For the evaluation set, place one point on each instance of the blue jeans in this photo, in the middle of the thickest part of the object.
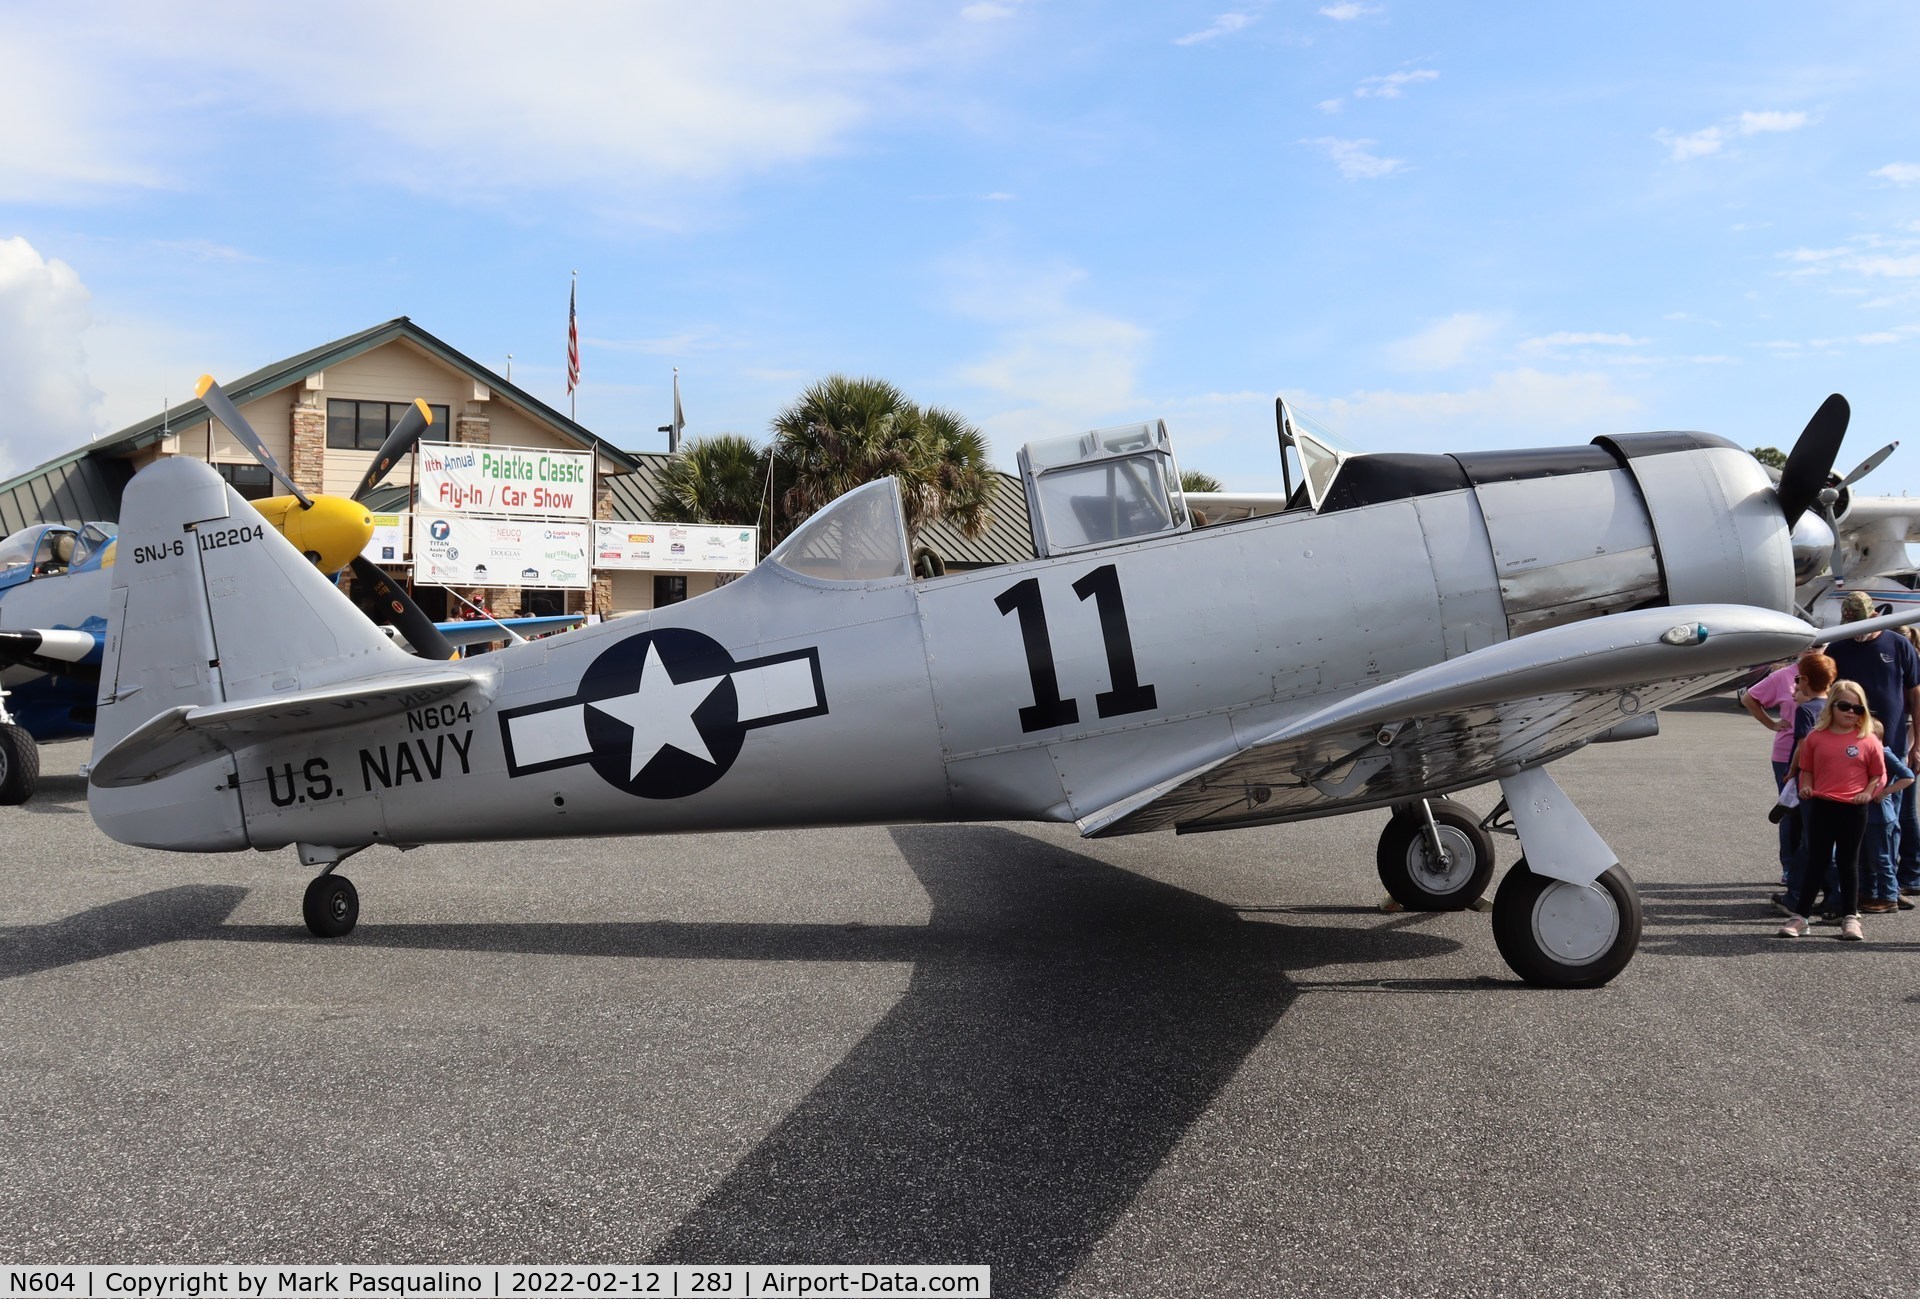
(1878, 852)
(1789, 829)
(1909, 839)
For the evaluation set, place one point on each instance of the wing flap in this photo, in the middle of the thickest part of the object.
(182, 736)
(1464, 721)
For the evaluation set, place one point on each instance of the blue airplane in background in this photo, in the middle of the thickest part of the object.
(54, 588)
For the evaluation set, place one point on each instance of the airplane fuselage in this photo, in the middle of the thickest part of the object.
(1037, 691)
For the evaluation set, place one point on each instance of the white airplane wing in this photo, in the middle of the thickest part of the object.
(1497, 710)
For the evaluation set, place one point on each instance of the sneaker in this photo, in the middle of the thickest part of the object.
(1878, 906)
(1903, 904)
(1796, 927)
(1779, 901)
(1850, 930)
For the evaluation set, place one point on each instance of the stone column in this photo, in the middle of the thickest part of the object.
(472, 424)
(309, 444)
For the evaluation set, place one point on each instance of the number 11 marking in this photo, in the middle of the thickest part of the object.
(1048, 709)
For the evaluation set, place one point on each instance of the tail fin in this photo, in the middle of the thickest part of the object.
(209, 606)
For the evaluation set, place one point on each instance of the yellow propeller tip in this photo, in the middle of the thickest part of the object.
(200, 389)
(424, 408)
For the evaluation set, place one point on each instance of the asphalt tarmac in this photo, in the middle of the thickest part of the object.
(1147, 1066)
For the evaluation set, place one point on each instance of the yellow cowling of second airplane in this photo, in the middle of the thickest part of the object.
(330, 534)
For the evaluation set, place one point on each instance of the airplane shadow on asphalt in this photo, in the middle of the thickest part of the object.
(1065, 1024)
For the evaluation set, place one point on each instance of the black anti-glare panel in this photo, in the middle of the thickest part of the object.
(1632, 446)
(1372, 479)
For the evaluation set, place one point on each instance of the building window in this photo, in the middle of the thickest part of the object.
(252, 481)
(668, 590)
(364, 425)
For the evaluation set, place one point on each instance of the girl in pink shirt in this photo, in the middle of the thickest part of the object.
(1840, 769)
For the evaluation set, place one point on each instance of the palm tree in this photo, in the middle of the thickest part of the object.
(844, 432)
(718, 479)
(1192, 480)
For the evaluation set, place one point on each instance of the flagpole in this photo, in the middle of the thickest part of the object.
(573, 350)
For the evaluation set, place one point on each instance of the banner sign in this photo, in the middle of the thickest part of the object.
(476, 478)
(389, 543)
(675, 547)
(455, 551)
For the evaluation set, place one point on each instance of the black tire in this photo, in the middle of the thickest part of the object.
(1598, 927)
(332, 906)
(19, 764)
(1404, 866)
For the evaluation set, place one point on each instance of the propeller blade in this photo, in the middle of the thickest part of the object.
(1870, 464)
(399, 442)
(223, 410)
(1812, 457)
(409, 617)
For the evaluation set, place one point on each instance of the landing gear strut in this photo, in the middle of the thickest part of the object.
(1572, 919)
(1423, 879)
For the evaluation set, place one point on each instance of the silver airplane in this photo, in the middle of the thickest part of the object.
(1414, 626)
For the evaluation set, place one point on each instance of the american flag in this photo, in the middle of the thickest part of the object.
(573, 343)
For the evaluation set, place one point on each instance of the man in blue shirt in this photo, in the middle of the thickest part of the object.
(1887, 668)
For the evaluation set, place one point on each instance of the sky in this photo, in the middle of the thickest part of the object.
(1439, 226)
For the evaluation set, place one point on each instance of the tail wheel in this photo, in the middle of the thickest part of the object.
(332, 906)
(1418, 882)
(1560, 935)
(19, 764)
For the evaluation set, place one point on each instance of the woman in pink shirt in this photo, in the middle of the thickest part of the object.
(1840, 769)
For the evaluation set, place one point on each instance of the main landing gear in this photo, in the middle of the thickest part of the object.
(1571, 919)
(332, 904)
(19, 759)
(1434, 856)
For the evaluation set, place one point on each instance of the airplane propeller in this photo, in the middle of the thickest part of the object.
(333, 531)
(227, 413)
(1811, 460)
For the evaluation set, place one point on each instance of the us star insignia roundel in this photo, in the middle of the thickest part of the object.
(663, 714)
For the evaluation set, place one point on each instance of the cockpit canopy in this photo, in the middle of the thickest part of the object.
(49, 549)
(1101, 488)
(861, 537)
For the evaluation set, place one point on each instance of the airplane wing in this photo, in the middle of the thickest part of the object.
(57, 653)
(1496, 710)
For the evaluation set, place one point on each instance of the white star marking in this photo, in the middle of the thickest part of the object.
(661, 713)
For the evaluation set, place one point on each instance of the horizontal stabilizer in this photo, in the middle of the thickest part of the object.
(1510, 704)
(182, 736)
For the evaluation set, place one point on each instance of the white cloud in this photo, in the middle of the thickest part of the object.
(1697, 145)
(1710, 140)
(1445, 343)
(47, 404)
(1760, 123)
(1515, 407)
(1331, 105)
(1900, 173)
(1354, 161)
(636, 97)
(1346, 11)
(1224, 25)
(1556, 342)
(1052, 364)
(1393, 84)
(1897, 268)
(69, 133)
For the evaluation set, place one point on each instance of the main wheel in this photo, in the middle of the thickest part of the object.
(332, 906)
(1419, 883)
(19, 764)
(1561, 935)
